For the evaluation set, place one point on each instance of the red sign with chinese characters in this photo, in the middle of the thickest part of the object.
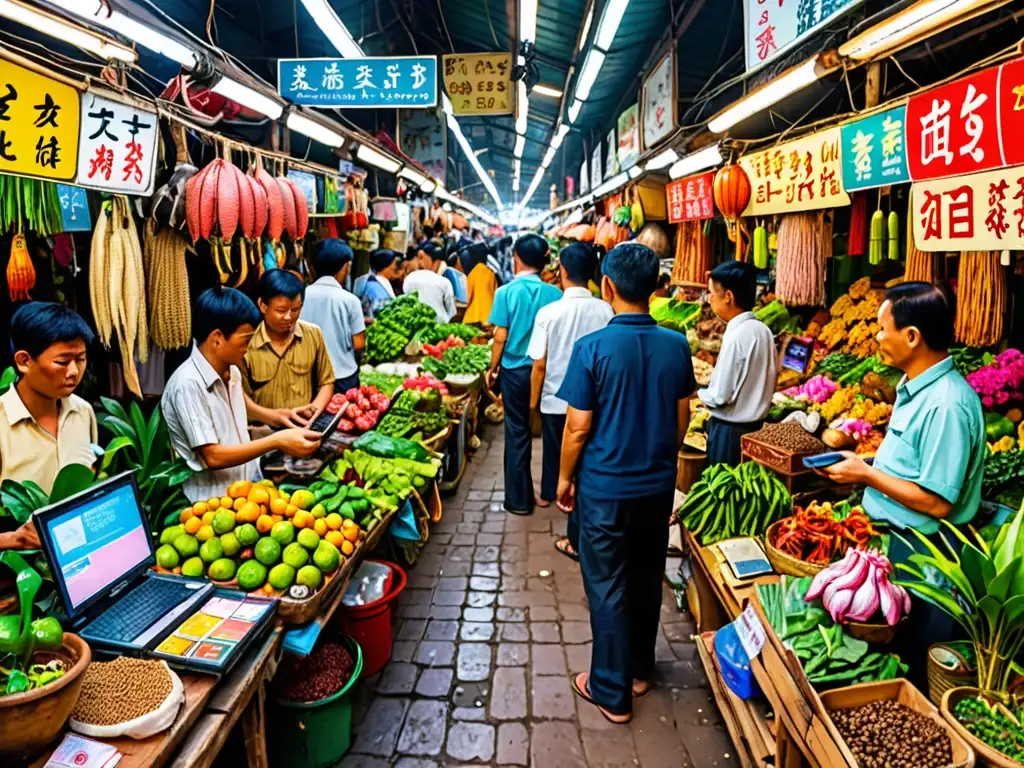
(1011, 111)
(691, 198)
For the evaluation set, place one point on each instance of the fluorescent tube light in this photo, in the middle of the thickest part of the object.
(610, 186)
(528, 20)
(378, 159)
(924, 18)
(548, 157)
(588, 75)
(516, 166)
(636, 172)
(611, 17)
(62, 29)
(515, 184)
(249, 97)
(314, 130)
(520, 146)
(560, 134)
(574, 110)
(334, 28)
(586, 27)
(523, 104)
(697, 161)
(485, 179)
(99, 13)
(662, 160)
(427, 187)
(769, 94)
(547, 90)
(412, 175)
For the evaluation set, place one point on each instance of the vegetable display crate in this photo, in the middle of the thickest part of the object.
(787, 564)
(906, 694)
(779, 459)
(987, 756)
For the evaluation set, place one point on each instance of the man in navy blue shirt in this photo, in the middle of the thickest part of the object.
(628, 387)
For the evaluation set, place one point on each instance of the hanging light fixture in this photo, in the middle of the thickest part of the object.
(61, 29)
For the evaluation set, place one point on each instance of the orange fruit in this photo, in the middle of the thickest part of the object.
(259, 495)
(208, 518)
(186, 515)
(239, 503)
(177, 570)
(277, 518)
(213, 504)
(239, 489)
(335, 538)
(267, 589)
(264, 523)
(274, 493)
(278, 506)
(227, 502)
(351, 533)
(302, 519)
(192, 525)
(347, 548)
(290, 510)
(334, 521)
(264, 510)
(320, 527)
(199, 508)
(250, 512)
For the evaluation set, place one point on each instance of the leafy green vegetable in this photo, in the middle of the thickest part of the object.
(435, 333)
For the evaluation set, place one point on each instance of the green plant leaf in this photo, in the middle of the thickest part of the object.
(948, 568)
(999, 587)
(991, 608)
(118, 426)
(941, 599)
(114, 447)
(978, 568)
(153, 427)
(138, 422)
(71, 479)
(7, 379)
(114, 408)
(1014, 610)
(1006, 543)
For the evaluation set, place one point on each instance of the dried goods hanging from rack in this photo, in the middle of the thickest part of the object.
(21, 275)
(170, 311)
(920, 264)
(800, 264)
(981, 299)
(693, 253)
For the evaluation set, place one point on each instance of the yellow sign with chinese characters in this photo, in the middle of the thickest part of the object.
(801, 175)
(39, 121)
(479, 83)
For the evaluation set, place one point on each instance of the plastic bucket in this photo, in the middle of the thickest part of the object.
(315, 734)
(370, 624)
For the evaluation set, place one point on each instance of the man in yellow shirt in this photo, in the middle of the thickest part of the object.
(288, 369)
(43, 425)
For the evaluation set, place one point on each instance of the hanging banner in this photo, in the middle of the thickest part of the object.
(307, 183)
(117, 146)
(772, 28)
(39, 121)
(74, 208)
(801, 175)
(983, 212)
(658, 97)
(383, 81)
(479, 83)
(629, 136)
(874, 151)
(584, 178)
(423, 136)
(611, 156)
(596, 176)
(691, 198)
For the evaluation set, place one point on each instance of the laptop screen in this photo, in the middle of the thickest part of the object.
(96, 541)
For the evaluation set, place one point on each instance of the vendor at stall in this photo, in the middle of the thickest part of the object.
(432, 288)
(481, 283)
(337, 312)
(205, 407)
(743, 382)
(287, 366)
(44, 426)
(377, 290)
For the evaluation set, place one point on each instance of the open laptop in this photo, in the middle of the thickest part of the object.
(100, 552)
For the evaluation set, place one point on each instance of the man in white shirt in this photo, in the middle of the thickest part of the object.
(338, 312)
(557, 328)
(740, 392)
(432, 288)
(205, 406)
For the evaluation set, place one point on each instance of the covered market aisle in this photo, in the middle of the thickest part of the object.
(485, 646)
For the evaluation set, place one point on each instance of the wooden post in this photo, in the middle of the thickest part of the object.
(254, 731)
(873, 86)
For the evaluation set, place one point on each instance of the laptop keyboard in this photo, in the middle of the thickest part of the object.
(136, 611)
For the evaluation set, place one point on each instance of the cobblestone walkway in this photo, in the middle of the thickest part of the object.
(484, 645)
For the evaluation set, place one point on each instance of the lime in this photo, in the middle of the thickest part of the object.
(327, 557)
(308, 538)
(167, 557)
(170, 534)
(283, 533)
(205, 533)
(268, 551)
(211, 550)
(186, 545)
(281, 576)
(232, 546)
(251, 575)
(319, 511)
(192, 567)
(309, 576)
(295, 555)
(223, 521)
(222, 569)
(303, 499)
(247, 534)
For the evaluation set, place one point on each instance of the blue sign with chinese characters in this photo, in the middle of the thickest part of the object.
(875, 151)
(385, 81)
(74, 208)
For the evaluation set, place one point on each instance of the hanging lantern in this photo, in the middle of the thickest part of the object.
(732, 191)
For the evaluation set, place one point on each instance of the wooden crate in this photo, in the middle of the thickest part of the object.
(782, 461)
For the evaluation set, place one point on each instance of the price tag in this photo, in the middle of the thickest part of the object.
(751, 631)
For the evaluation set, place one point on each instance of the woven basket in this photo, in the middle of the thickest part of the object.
(784, 563)
(876, 634)
(941, 678)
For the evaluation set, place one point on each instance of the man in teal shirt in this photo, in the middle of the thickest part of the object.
(515, 308)
(930, 465)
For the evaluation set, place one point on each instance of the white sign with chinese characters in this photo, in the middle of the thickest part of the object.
(117, 146)
(773, 27)
(982, 212)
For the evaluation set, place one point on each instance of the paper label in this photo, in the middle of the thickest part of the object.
(751, 631)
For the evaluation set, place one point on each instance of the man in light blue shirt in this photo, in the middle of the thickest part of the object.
(338, 313)
(385, 265)
(515, 308)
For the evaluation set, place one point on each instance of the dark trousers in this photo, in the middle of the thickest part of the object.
(724, 440)
(347, 383)
(552, 427)
(515, 394)
(622, 556)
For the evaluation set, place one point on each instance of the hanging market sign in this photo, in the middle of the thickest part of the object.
(801, 175)
(611, 157)
(479, 83)
(771, 28)
(117, 146)
(423, 136)
(691, 198)
(629, 136)
(39, 121)
(74, 208)
(658, 97)
(584, 178)
(874, 151)
(595, 168)
(384, 81)
(983, 212)
(307, 183)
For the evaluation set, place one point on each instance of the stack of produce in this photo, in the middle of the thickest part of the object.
(819, 534)
(397, 476)
(858, 587)
(1003, 481)
(675, 314)
(995, 725)
(836, 364)
(363, 407)
(817, 389)
(383, 344)
(800, 264)
(385, 383)
(829, 656)
(734, 501)
(789, 436)
(460, 362)
(396, 323)
(693, 253)
(29, 205)
(114, 692)
(775, 315)
(432, 334)
(854, 325)
(415, 413)
(425, 382)
(981, 299)
(1001, 382)
(887, 734)
(968, 359)
(438, 350)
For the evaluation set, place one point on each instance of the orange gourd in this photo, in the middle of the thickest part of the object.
(732, 191)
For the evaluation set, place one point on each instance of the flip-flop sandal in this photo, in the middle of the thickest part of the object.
(581, 691)
(644, 690)
(562, 545)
